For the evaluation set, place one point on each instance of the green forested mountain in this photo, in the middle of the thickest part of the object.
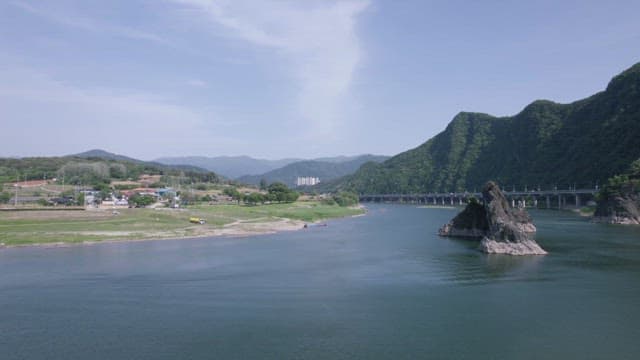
(328, 169)
(547, 144)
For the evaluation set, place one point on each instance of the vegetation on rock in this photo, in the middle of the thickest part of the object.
(503, 229)
(619, 200)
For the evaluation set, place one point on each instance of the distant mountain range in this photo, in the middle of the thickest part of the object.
(547, 144)
(325, 169)
(248, 169)
(229, 166)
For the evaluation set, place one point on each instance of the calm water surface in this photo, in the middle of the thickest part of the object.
(383, 286)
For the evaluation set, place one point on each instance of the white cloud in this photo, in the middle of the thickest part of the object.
(318, 38)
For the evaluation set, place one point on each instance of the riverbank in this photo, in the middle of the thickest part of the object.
(62, 228)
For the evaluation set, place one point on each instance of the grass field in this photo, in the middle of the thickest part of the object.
(41, 227)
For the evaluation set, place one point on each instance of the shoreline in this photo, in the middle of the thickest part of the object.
(236, 229)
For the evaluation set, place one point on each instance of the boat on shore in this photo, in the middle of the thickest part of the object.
(314, 225)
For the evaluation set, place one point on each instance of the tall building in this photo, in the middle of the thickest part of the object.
(307, 181)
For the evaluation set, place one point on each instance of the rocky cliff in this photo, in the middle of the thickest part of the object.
(619, 199)
(624, 209)
(502, 230)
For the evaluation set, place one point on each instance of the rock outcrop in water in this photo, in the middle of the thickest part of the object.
(619, 199)
(502, 230)
(622, 209)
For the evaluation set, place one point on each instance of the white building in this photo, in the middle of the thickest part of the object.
(307, 181)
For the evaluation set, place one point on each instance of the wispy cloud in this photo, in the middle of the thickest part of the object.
(75, 20)
(318, 38)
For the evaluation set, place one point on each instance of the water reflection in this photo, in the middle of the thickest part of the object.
(499, 265)
(475, 267)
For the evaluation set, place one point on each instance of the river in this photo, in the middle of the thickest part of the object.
(381, 286)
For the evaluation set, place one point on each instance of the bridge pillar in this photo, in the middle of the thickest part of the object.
(548, 202)
(513, 202)
(577, 200)
(451, 200)
(535, 203)
(560, 202)
(460, 199)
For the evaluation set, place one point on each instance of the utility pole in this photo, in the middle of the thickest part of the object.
(15, 199)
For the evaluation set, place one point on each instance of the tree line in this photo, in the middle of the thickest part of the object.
(276, 193)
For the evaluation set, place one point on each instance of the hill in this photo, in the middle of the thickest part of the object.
(330, 169)
(547, 144)
(229, 166)
(93, 167)
(105, 155)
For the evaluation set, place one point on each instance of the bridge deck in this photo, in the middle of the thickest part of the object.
(478, 195)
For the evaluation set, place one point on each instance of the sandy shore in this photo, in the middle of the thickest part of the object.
(234, 229)
(67, 228)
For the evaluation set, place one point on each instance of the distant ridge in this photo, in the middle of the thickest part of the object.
(326, 170)
(106, 155)
(229, 166)
(103, 154)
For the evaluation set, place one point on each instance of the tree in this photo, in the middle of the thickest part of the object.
(263, 184)
(142, 200)
(278, 191)
(634, 169)
(233, 193)
(254, 198)
(80, 199)
(345, 198)
(5, 197)
(291, 196)
(281, 193)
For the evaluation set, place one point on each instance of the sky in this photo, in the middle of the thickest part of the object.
(275, 79)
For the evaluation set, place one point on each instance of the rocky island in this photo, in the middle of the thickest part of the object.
(501, 229)
(619, 200)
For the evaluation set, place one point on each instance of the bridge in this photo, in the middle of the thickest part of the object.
(545, 199)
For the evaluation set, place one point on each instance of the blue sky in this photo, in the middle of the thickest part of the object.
(273, 79)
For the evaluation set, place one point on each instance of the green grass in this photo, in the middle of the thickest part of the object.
(131, 223)
(72, 227)
(304, 211)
